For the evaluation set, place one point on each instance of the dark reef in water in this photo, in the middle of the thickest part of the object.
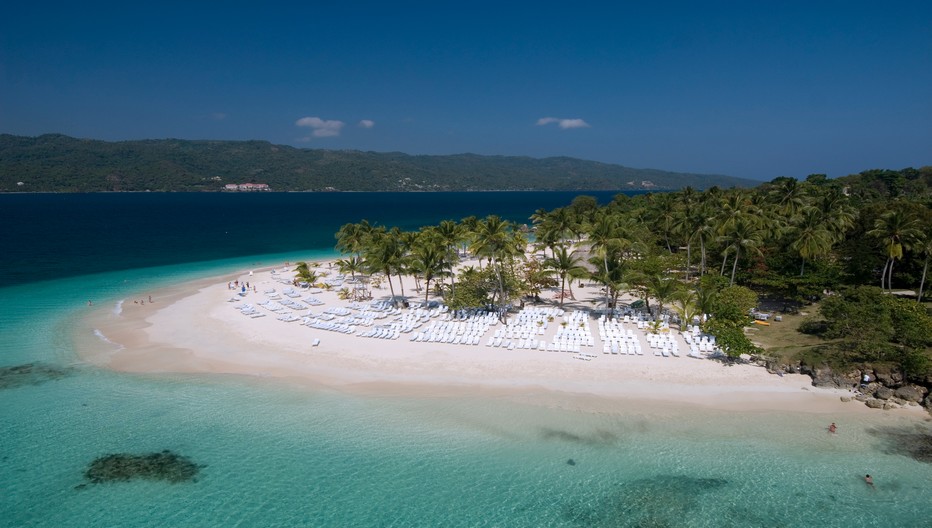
(121, 467)
(598, 438)
(30, 374)
(664, 500)
(914, 442)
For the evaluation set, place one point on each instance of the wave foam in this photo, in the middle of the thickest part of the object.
(100, 335)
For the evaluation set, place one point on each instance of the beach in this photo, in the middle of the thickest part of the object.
(199, 327)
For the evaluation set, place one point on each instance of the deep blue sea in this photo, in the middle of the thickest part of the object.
(281, 455)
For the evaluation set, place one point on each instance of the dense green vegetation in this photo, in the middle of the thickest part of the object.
(56, 163)
(709, 255)
(868, 325)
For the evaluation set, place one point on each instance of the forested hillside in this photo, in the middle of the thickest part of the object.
(57, 163)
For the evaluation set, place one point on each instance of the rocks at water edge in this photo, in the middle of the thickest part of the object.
(883, 393)
(881, 386)
(911, 393)
(122, 467)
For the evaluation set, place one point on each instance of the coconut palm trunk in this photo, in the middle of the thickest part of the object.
(922, 282)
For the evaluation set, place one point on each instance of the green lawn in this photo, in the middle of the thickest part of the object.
(782, 340)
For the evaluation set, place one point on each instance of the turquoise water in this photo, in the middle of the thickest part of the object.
(276, 454)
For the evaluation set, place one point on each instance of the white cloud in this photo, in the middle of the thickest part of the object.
(563, 123)
(366, 123)
(321, 127)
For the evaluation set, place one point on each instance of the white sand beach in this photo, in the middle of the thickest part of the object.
(197, 327)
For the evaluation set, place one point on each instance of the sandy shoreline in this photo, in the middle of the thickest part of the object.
(194, 328)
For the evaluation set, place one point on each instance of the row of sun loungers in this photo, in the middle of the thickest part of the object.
(663, 344)
(435, 323)
(329, 326)
(249, 311)
(424, 337)
(381, 333)
(520, 344)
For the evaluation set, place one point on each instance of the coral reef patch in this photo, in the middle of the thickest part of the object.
(598, 438)
(30, 374)
(122, 467)
(664, 500)
(914, 442)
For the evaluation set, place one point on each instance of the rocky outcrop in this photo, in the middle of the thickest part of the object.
(827, 378)
(878, 386)
(883, 393)
(887, 375)
(911, 393)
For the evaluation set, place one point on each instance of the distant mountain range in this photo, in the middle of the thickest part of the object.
(58, 163)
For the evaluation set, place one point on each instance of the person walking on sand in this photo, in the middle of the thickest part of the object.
(832, 428)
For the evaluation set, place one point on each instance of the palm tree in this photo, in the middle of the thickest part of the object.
(743, 234)
(352, 237)
(351, 265)
(665, 218)
(406, 240)
(788, 195)
(811, 236)
(685, 218)
(925, 248)
(664, 289)
(451, 233)
(896, 229)
(837, 211)
(565, 264)
(304, 273)
(613, 278)
(610, 234)
(383, 252)
(496, 240)
(428, 258)
(686, 306)
(553, 227)
(468, 227)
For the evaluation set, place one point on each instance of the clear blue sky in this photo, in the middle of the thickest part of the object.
(752, 89)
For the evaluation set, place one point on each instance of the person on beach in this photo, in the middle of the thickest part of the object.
(832, 428)
(150, 299)
(89, 303)
(869, 480)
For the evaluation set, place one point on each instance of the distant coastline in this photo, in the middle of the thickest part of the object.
(55, 162)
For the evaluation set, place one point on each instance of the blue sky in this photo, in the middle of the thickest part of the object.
(748, 89)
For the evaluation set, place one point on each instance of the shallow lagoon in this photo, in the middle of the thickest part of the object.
(276, 454)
